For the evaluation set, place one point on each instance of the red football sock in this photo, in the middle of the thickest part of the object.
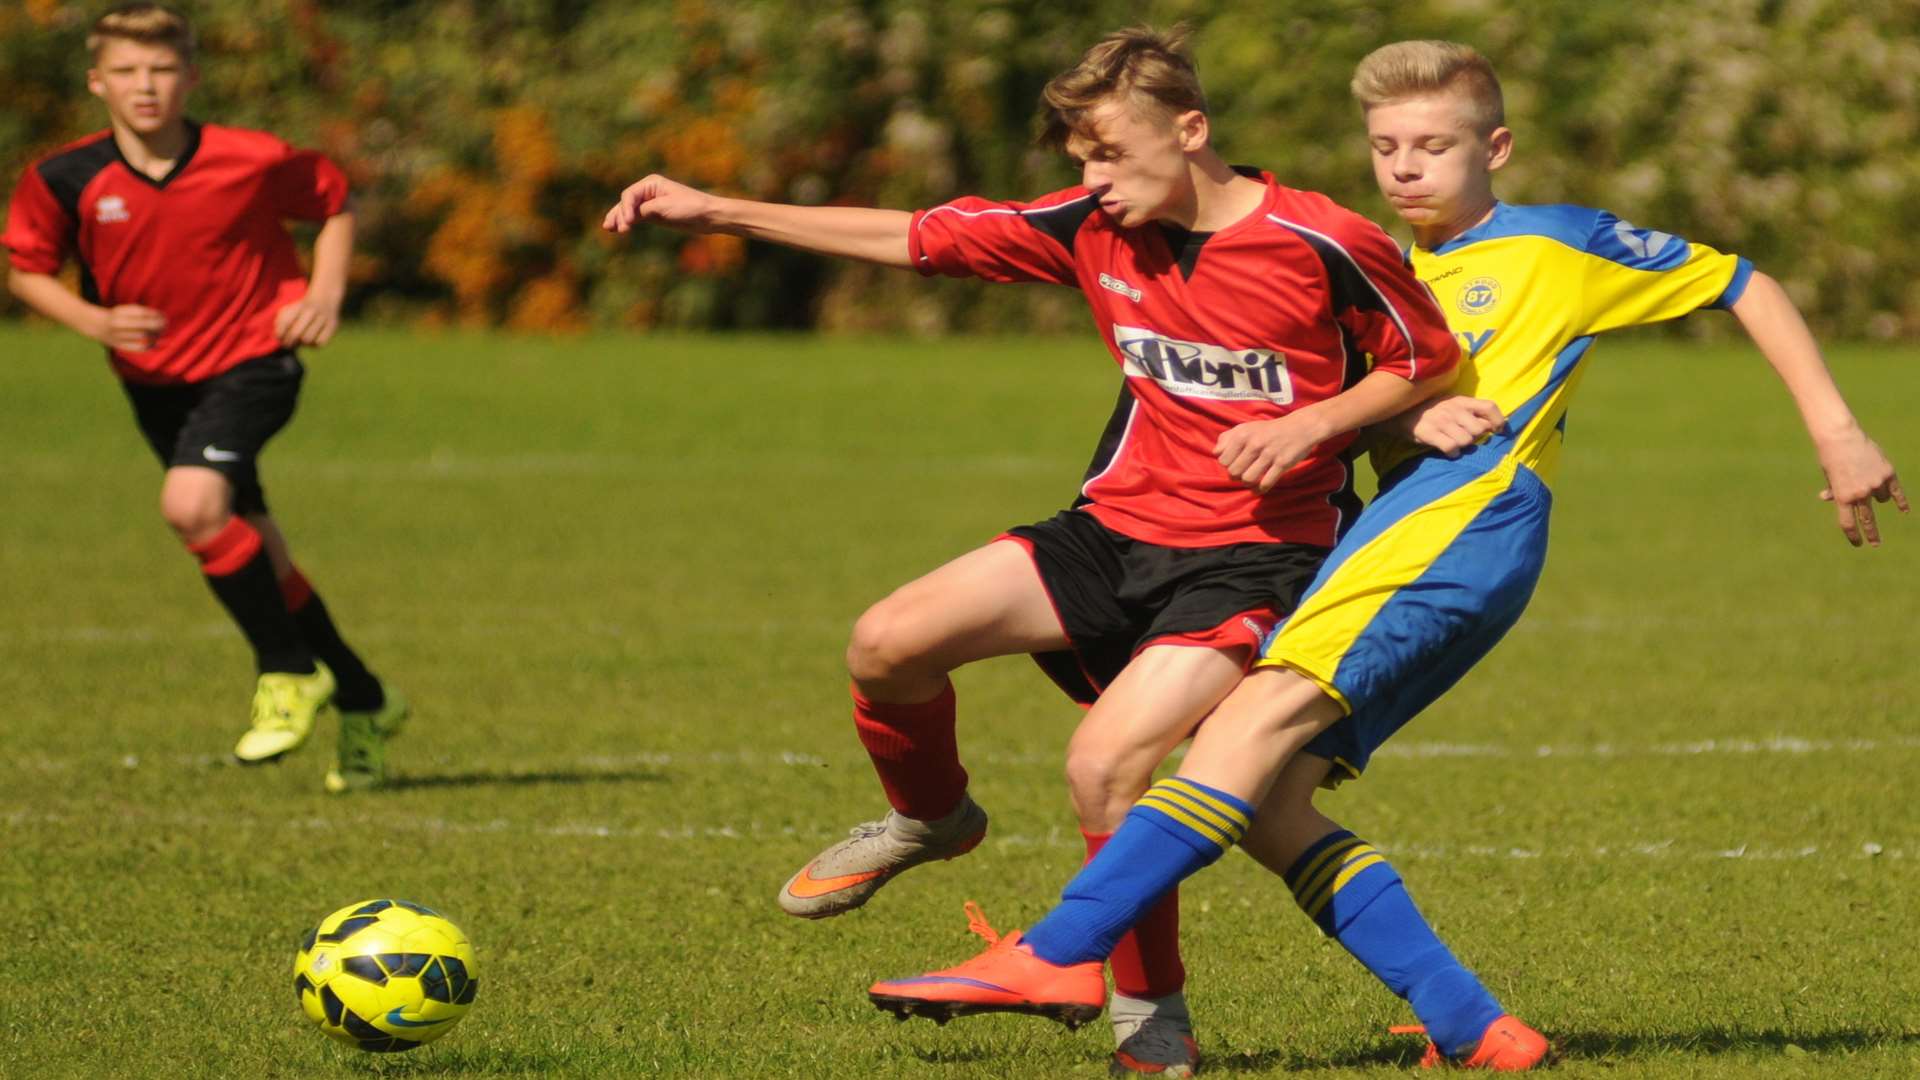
(913, 750)
(1146, 963)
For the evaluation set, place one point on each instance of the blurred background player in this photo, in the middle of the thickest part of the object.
(1431, 576)
(1241, 312)
(190, 279)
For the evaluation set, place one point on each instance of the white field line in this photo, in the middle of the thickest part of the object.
(707, 832)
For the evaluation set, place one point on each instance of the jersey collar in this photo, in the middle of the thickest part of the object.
(179, 164)
(1477, 233)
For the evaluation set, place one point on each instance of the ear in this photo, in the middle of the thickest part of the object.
(1192, 130)
(94, 85)
(1499, 147)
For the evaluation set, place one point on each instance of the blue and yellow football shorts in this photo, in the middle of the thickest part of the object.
(1429, 578)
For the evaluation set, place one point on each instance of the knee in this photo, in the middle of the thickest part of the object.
(1104, 785)
(193, 511)
(883, 645)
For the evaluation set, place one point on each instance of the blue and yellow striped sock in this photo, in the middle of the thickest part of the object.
(1176, 828)
(1357, 898)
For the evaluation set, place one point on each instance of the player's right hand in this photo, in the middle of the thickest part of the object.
(666, 202)
(130, 327)
(1454, 423)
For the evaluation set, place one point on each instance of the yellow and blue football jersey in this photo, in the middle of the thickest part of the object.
(1526, 291)
(1444, 561)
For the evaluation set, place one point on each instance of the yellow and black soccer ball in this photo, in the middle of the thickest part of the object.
(385, 975)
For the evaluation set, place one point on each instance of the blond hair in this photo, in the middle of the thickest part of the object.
(1408, 69)
(1147, 67)
(148, 24)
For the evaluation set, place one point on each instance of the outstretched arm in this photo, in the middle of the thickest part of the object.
(854, 232)
(1858, 473)
(126, 327)
(312, 319)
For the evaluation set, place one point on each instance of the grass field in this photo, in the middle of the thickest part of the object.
(1670, 820)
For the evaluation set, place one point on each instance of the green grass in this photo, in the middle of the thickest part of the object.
(616, 575)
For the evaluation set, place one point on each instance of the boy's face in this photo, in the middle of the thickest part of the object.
(1135, 160)
(144, 86)
(1429, 161)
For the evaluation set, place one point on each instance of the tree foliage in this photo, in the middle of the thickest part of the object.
(485, 139)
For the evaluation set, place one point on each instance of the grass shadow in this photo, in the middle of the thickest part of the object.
(1594, 1046)
(520, 779)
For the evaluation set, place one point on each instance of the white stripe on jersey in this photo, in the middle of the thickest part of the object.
(1413, 358)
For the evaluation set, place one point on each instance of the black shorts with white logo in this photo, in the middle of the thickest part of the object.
(224, 422)
(1116, 595)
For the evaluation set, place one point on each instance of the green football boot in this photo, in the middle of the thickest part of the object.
(284, 708)
(362, 760)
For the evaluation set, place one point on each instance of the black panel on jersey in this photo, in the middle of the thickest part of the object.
(1186, 246)
(1109, 444)
(1347, 286)
(1062, 222)
(68, 174)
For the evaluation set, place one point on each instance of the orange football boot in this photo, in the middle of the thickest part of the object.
(1506, 1046)
(1008, 977)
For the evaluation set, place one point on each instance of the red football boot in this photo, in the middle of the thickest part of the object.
(1008, 977)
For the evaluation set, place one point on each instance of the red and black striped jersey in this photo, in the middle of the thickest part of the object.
(1286, 307)
(206, 245)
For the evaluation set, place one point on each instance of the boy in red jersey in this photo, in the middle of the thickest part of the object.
(1241, 313)
(190, 279)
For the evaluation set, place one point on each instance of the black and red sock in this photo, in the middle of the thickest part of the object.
(236, 566)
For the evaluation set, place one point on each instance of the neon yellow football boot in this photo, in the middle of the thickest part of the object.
(284, 708)
(361, 762)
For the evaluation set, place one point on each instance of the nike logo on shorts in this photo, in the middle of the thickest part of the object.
(214, 453)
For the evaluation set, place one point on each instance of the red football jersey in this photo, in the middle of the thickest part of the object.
(207, 246)
(1286, 307)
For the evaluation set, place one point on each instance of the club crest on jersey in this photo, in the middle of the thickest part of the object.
(1478, 296)
(110, 209)
(1194, 369)
(1114, 284)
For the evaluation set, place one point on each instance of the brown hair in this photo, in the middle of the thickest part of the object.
(1147, 67)
(148, 24)
(1407, 69)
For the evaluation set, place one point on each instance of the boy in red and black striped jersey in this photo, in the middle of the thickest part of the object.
(1256, 328)
(189, 277)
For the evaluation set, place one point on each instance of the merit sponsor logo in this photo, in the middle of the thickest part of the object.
(1195, 369)
(214, 453)
(110, 209)
(1478, 296)
(1114, 284)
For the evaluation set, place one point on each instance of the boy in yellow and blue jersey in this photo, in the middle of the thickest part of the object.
(1430, 576)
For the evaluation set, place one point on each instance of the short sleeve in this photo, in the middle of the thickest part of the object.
(40, 231)
(1387, 311)
(1002, 241)
(306, 185)
(1639, 276)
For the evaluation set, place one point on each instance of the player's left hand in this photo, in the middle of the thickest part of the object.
(1259, 452)
(1859, 475)
(307, 321)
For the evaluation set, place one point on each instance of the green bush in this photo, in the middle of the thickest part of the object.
(486, 139)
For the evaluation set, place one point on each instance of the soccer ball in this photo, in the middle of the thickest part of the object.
(385, 975)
